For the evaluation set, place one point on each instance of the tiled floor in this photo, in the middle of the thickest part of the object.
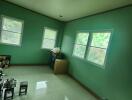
(44, 85)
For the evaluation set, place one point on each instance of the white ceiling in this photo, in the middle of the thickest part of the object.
(70, 9)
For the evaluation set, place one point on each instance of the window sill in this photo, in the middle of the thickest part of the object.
(94, 64)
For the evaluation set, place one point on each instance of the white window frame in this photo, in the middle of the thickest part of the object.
(90, 32)
(91, 37)
(47, 38)
(1, 25)
(75, 43)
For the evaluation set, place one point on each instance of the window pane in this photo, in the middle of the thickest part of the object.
(100, 40)
(49, 44)
(50, 34)
(79, 51)
(10, 37)
(12, 25)
(97, 55)
(82, 38)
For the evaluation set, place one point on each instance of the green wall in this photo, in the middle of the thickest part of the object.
(30, 52)
(114, 82)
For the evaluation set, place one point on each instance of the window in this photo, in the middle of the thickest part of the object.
(92, 46)
(49, 38)
(98, 48)
(80, 45)
(11, 31)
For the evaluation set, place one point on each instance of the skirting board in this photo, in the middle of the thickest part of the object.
(29, 65)
(89, 90)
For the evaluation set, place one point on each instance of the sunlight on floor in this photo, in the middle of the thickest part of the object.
(41, 85)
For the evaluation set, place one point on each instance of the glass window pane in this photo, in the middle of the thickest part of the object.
(10, 37)
(49, 44)
(50, 34)
(96, 55)
(79, 51)
(12, 25)
(100, 40)
(82, 38)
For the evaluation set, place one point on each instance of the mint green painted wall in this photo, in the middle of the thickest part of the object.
(114, 82)
(30, 52)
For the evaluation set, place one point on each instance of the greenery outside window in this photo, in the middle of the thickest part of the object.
(92, 46)
(49, 38)
(80, 45)
(98, 48)
(11, 31)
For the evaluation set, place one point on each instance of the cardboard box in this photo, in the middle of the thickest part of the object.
(60, 66)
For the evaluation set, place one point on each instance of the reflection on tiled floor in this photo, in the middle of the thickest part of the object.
(41, 85)
(44, 85)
